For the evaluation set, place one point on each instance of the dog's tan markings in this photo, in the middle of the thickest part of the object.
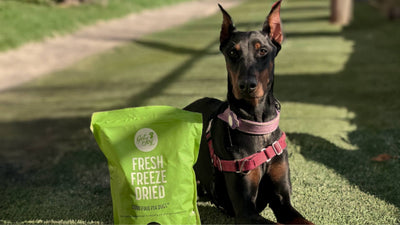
(263, 80)
(262, 84)
(234, 81)
(277, 170)
(264, 76)
(254, 101)
(271, 66)
(237, 47)
(254, 176)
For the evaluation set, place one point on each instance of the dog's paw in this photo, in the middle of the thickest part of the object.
(256, 219)
(299, 221)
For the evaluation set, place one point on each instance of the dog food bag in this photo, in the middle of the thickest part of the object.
(151, 152)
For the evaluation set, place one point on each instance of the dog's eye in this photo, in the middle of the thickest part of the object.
(233, 53)
(263, 51)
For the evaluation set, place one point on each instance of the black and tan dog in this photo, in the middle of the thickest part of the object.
(243, 162)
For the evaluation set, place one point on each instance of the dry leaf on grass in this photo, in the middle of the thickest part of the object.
(382, 157)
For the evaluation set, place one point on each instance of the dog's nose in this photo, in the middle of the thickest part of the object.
(248, 85)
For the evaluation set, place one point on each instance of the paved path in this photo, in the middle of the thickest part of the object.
(35, 59)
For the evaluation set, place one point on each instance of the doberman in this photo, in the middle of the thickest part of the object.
(243, 162)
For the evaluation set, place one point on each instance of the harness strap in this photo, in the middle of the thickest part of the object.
(247, 163)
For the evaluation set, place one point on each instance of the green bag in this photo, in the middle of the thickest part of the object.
(151, 152)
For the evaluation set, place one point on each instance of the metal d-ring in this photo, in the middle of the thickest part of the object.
(219, 164)
(241, 166)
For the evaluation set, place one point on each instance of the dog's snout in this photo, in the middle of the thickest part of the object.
(248, 85)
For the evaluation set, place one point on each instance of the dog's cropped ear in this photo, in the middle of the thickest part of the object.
(272, 25)
(227, 27)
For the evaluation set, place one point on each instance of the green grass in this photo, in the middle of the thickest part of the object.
(339, 93)
(22, 22)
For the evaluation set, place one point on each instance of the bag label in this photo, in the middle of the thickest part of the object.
(149, 177)
(146, 139)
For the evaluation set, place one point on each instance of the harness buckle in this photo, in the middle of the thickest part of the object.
(277, 148)
(241, 164)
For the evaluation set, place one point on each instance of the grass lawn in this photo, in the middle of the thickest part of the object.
(339, 90)
(21, 21)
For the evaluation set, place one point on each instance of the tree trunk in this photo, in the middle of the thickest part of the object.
(341, 11)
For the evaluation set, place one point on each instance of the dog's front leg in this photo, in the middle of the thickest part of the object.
(242, 190)
(280, 200)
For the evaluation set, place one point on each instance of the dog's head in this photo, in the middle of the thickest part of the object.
(250, 56)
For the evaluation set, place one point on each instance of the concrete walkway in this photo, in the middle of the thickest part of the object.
(33, 60)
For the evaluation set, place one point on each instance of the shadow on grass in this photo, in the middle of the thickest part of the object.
(158, 87)
(375, 178)
(367, 86)
(209, 214)
(53, 171)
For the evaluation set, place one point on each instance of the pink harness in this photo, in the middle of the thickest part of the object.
(251, 127)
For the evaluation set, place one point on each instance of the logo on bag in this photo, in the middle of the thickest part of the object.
(146, 139)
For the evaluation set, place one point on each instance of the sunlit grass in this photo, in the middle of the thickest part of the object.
(338, 89)
(22, 22)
